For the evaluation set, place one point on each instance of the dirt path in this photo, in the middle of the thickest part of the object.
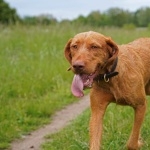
(59, 120)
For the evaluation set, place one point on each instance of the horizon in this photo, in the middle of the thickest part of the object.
(72, 9)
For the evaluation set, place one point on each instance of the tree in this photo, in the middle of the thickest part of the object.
(94, 18)
(7, 15)
(44, 19)
(80, 20)
(119, 17)
(142, 17)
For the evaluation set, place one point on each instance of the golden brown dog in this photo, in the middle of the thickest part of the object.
(115, 73)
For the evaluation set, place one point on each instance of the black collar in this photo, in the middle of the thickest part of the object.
(108, 75)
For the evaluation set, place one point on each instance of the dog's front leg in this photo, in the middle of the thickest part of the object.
(99, 103)
(134, 142)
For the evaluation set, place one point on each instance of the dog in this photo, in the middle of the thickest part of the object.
(115, 73)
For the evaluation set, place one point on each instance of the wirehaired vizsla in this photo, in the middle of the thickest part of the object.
(115, 73)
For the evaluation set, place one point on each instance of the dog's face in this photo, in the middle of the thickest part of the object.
(89, 54)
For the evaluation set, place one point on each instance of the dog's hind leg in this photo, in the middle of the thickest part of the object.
(99, 103)
(134, 142)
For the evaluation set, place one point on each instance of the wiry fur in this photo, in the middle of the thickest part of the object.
(130, 87)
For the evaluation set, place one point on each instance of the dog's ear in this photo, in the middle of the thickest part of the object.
(113, 51)
(67, 51)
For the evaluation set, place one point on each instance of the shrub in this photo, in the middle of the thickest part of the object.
(129, 26)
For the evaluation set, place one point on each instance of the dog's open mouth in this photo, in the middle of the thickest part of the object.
(80, 82)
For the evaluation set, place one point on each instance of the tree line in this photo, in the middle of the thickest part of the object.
(111, 17)
(117, 17)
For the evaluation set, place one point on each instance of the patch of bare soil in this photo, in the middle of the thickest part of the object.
(62, 118)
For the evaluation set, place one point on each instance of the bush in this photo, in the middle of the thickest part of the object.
(148, 27)
(129, 26)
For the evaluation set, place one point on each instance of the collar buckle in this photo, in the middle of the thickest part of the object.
(108, 75)
(105, 78)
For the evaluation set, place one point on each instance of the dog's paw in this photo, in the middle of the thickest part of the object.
(140, 143)
(131, 146)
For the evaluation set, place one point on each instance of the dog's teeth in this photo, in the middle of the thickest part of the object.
(90, 85)
(87, 81)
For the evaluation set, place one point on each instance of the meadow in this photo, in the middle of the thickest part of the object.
(34, 82)
(117, 126)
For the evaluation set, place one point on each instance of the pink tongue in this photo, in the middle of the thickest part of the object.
(77, 86)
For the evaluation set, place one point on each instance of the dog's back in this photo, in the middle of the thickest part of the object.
(134, 71)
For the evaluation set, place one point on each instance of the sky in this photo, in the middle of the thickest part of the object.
(71, 9)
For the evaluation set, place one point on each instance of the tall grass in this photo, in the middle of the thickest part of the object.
(33, 78)
(34, 82)
(117, 126)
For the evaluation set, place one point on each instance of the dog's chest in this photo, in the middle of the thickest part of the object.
(121, 95)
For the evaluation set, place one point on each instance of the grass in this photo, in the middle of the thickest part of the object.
(34, 82)
(116, 130)
(32, 79)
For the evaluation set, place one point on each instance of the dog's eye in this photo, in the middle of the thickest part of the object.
(74, 46)
(94, 47)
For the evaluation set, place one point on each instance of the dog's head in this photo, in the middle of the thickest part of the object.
(89, 54)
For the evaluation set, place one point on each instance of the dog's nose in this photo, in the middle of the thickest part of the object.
(78, 65)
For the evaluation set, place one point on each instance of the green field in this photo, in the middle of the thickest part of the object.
(34, 82)
(117, 126)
